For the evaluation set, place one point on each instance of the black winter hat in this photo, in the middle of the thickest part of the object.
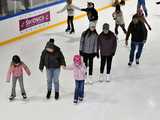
(16, 59)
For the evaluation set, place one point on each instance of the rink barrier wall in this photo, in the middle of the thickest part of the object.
(25, 35)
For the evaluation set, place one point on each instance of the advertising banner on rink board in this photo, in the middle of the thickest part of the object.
(33, 21)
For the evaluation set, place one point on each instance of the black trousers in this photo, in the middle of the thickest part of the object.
(26, 3)
(122, 26)
(3, 7)
(88, 60)
(103, 63)
(70, 23)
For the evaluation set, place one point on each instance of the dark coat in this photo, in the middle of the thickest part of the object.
(107, 44)
(91, 13)
(51, 60)
(138, 32)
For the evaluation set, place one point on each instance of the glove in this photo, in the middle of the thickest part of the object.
(113, 54)
(150, 28)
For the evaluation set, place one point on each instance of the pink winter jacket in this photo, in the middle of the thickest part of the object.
(79, 72)
(17, 71)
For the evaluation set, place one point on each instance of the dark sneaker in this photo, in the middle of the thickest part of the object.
(48, 94)
(80, 99)
(75, 101)
(137, 62)
(72, 31)
(67, 30)
(24, 96)
(130, 64)
(56, 95)
(11, 97)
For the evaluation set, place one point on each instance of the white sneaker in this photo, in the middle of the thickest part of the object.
(101, 77)
(107, 78)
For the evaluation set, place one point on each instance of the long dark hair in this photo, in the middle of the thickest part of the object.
(16, 60)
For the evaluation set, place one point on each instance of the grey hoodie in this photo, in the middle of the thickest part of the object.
(88, 42)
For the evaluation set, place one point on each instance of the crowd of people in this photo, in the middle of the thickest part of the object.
(92, 45)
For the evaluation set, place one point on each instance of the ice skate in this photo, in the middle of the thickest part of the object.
(107, 78)
(89, 80)
(11, 98)
(101, 78)
(56, 95)
(137, 61)
(48, 94)
(24, 96)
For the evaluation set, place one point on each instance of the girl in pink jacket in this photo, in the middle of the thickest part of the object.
(79, 71)
(16, 71)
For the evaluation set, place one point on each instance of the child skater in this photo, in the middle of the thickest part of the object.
(79, 70)
(16, 70)
(119, 19)
(70, 9)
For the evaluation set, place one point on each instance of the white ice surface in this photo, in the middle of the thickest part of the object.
(133, 93)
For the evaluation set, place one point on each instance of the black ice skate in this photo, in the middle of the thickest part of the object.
(75, 101)
(24, 96)
(56, 95)
(48, 94)
(130, 64)
(72, 31)
(137, 62)
(11, 98)
(67, 30)
(80, 99)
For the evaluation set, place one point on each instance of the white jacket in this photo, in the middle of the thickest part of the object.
(118, 17)
(70, 9)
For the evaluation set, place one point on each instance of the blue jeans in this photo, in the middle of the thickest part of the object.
(139, 46)
(79, 90)
(143, 4)
(53, 77)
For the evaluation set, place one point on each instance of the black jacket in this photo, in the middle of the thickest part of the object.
(138, 32)
(91, 13)
(52, 60)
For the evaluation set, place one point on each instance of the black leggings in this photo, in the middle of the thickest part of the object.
(70, 23)
(103, 63)
(88, 59)
(122, 26)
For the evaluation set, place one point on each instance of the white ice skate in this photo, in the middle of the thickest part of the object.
(89, 80)
(107, 78)
(101, 78)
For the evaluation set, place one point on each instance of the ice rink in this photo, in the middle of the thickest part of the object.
(132, 94)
